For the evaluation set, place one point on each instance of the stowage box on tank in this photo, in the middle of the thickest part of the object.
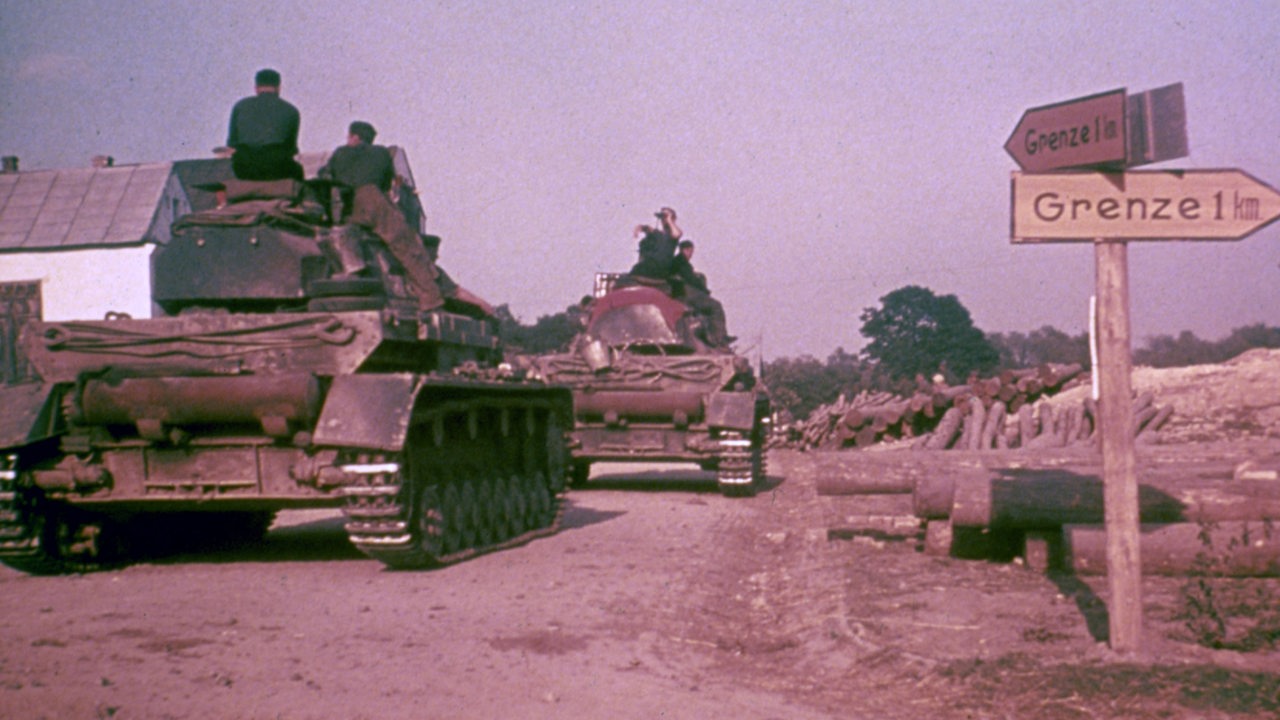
(647, 387)
(269, 382)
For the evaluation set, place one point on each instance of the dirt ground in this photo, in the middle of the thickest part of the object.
(658, 599)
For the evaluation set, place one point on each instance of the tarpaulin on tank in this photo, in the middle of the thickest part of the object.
(302, 216)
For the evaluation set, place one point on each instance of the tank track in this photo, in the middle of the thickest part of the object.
(19, 538)
(49, 541)
(473, 477)
(42, 537)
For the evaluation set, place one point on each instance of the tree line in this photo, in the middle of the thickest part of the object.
(913, 336)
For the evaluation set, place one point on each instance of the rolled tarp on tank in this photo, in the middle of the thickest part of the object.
(639, 404)
(204, 400)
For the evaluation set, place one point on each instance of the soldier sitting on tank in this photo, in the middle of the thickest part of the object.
(369, 171)
(456, 298)
(690, 287)
(263, 133)
(657, 248)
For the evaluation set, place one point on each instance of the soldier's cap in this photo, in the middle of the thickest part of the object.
(363, 130)
(685, 243)
(267, 78)
(430, 241)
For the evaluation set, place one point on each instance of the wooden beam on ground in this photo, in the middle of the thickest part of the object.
(1231, 549)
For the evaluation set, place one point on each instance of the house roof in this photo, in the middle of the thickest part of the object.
(46, 210)
(56, 209)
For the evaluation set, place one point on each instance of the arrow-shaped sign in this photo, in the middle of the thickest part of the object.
(1141, 205)
(1084, 132)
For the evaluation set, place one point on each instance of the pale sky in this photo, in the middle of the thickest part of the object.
(821, 154)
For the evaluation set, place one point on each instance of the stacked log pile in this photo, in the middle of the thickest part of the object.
(1042, 425)
(1005, 412)
(939, 416)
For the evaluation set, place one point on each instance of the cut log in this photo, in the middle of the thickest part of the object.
(937, 538)
(1048, 437)
(1229, 549)
(933, 496)
(935, 493)
(1158, 420)
(973, 424)
(1142, 402)
(857, 473)
(1085, 430)
(866, 437)
(947, 429)
(1030, 499)
(1026, 425)
(1142, 417)
(1042, 550)
(993, 426)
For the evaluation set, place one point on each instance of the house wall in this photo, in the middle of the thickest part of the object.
(86, 284)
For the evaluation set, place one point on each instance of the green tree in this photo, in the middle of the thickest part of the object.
(917, 332)
(798, 385)
(1046, 345)
(1185, 349)
(548, 334)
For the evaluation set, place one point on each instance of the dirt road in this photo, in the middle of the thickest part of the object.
(587, 623)
(658, 599)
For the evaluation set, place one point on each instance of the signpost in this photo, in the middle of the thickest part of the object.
(1141, 205)
(1082, 132)
(1111, 132)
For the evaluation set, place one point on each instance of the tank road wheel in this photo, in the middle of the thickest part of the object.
(471, 515)
(452, 511)
(738, 467)
(487, 514)
(544, 503)
(496, 510)
(518, 505)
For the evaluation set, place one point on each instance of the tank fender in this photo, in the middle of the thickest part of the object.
(732, 410)
(368, 411)
(28, 413)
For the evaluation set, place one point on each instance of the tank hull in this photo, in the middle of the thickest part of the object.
(274, 384)
(645, 390)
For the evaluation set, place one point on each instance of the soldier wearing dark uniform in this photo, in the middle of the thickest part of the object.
(661, 266)
(691, 288)
(657, 248)
(264, 133)
(360, 162)
(368, 169)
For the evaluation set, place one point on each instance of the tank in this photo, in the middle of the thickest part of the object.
(648, 387)
(286, 367)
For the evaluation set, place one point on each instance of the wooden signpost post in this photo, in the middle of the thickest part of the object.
(1109, 209)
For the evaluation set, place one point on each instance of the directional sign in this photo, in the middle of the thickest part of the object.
(1088, 131)
(1141, 205)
